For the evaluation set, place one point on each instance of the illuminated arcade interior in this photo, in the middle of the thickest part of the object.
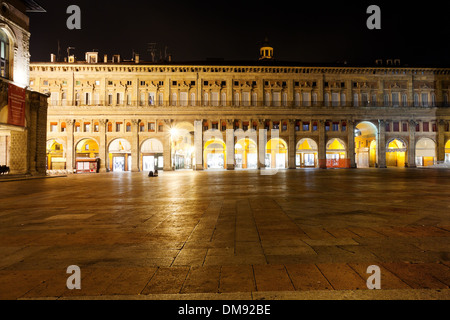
(366, 145)
(56, 156)
(307, 154)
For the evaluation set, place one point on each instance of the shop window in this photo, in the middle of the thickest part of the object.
(87, 127)
(118, 126)
(276, 125)
(224, 126)
(418, 127)
(96, 127)
(215, 125)
(128, 128)
(434, 127)
(63, 127)
(344, 126)
(255, 126)
(77, 127)
(245, 126)
(388, 127)
(297, 126)
(327, 126)
(426, 127)
(314, 126)
(160, 128)
(151, 126)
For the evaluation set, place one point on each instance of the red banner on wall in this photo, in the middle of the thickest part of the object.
(16, 105)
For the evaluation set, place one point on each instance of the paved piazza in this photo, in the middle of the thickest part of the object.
(228, 235)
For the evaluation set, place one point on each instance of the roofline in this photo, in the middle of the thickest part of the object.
(238, 65)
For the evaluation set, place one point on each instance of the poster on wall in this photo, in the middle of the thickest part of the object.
(16, 102)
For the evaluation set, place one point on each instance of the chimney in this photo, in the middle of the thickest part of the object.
(91, 57)
(136, 58)
(116, 58)
(105, 58)
(53, 58)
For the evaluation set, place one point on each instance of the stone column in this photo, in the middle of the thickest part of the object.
(381, 144)
(412, 145)
(198, 144)
(167, 153)
(351, 143)
(70, 148)
(262, 146)
(135, 145)
(230, 149)
(441, 141)
(291, 148)
(322, 152)
(102, 146)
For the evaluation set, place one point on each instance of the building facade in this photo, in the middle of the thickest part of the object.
(23, 113)
(131, 116)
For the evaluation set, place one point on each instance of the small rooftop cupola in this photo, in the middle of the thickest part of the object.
(266, 51)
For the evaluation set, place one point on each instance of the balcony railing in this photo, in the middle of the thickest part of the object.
(253, 104)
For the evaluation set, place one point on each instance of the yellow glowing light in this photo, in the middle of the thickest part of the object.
(173, 132)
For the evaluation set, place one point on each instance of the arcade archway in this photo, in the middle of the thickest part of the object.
(56, 155)
(396, 153)
(425, 152)
(119, 155)
(306, 154)
(447, 152)
(152, 155)
(215, 154)
(246, 154)
(182, 141)
(276, 154)
(87, 156)
(366, 145)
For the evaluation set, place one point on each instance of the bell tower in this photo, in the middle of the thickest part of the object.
(266, 51)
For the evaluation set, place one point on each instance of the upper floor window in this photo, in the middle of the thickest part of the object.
(4, 55)
(404, 100)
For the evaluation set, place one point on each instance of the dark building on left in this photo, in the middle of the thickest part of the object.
(23, 112)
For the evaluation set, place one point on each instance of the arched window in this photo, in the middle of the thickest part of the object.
(327, 99)
(404, 100)
(297, 99)
(314, 99)
(355, 100)
(254, 99)
(224, 99)
(343, 100)
(4, 55)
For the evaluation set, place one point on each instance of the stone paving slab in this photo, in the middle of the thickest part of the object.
(173, 237)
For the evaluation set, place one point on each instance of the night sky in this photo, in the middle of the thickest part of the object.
(302, 31)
